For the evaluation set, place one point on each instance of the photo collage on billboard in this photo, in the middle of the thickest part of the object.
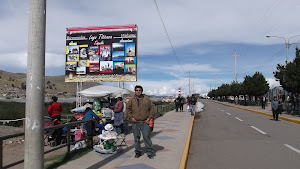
(101, 56)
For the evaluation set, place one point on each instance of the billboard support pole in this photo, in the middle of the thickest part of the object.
(35, 85)
(78, 97)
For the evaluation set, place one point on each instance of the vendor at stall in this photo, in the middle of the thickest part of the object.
(119, 114)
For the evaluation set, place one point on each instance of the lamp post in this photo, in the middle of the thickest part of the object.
(286, 42)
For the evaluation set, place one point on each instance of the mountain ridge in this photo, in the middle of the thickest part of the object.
(13, 85)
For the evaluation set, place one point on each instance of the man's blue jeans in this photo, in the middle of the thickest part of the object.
(192, 108)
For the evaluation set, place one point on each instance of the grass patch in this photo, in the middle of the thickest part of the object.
(58, 160)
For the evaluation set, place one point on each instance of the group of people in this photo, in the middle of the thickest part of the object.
(179, 102)
(292, 105)
(191, 101)
(294, 102)
(112, 115)
(139, 110)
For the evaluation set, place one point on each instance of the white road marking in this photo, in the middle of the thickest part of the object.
(258, 130)
(228, 114)
(239, 119)
(292, 148)
(222, 110)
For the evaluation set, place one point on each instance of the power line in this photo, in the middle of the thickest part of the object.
(263, 63)
(255, 27)
(168, 35)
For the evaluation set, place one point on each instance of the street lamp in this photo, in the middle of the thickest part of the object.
(286, 42)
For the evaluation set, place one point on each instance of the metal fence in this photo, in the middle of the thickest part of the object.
(67, 144)
(159, 110)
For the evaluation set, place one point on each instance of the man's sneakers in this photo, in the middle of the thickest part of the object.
(151, 156)
(137, 155)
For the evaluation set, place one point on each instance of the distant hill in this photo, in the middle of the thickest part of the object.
(13, 85)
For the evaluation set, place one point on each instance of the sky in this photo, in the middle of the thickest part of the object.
(178, 37)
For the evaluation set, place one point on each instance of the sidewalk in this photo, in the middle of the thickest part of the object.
(267, 111)
(170, 136)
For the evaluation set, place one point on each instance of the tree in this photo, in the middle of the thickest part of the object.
(235, 88)
(289, 74)
(256, 85)
(261, 85)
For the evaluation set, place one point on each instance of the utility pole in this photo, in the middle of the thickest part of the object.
(35, 85)
(189, 83)
(235, 55)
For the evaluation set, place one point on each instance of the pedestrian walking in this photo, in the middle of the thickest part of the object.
(263, 102)
(177, 103)
(293, 101)
(188, 102)
(181, 103)
(275, 108)
(297, 101)
(140, 111)
(193, 103)
(289, 105)
(280, 105)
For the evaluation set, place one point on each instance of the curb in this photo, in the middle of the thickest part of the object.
(186, 147)
(187, 144)
(263, 113)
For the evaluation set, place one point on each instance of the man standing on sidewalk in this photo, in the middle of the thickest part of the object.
(275, 108)
(263, 102)
(140, 110)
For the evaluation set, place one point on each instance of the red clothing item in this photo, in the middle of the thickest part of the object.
(188, 101)
(54, 109)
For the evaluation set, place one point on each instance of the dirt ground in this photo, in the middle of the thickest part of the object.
(13, 149)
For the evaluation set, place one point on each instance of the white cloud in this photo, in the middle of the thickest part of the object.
(272, 82)
(189, 24)
(20, 59)
(54, 60)
(171, 87)
(194, 67)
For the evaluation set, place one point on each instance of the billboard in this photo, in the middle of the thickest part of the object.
(101, 54)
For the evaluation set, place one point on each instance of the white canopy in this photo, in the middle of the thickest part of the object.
(102, 90)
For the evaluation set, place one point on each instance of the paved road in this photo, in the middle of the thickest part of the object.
(229, 138)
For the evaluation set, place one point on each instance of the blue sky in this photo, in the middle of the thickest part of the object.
(204, 35)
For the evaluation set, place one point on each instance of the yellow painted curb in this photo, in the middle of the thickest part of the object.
(187, 143)
(263, 113)
(186, 147)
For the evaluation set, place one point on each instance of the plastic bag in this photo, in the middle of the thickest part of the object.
(96, 104)
(188, 107)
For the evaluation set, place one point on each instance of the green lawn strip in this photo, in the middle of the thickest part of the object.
(58, 160)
